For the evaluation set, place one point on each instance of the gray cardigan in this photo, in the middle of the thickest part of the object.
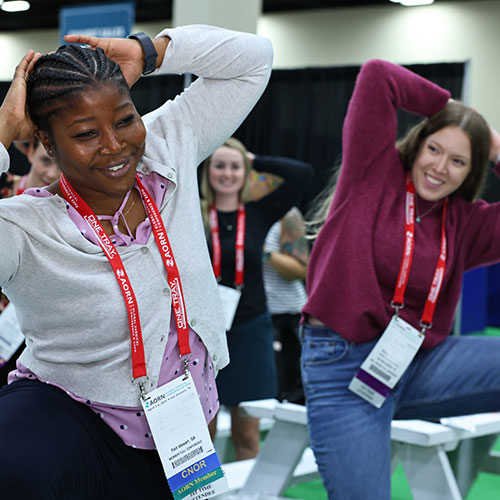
(67, 300)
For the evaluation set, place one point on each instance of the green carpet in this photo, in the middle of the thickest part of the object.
(486, 486)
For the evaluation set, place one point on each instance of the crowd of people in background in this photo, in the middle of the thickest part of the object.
(266, 313)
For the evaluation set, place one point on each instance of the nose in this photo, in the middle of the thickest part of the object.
(111, 143)
(441, 164)
(225, 171)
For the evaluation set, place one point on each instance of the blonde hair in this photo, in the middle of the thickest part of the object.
(320, 206)
(207, 192)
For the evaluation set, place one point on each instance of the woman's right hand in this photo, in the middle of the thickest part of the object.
(15, 122)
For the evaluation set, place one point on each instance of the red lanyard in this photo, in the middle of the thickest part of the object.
(406, 261)
(240, 245)
(174, 280)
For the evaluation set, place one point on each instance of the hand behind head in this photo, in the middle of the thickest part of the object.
(15, 122)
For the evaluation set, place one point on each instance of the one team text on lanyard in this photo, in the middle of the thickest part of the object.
(160, 234)
(186, 443)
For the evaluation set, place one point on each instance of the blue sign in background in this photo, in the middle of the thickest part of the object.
(109, 20)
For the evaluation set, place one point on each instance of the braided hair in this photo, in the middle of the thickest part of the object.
(57, 77)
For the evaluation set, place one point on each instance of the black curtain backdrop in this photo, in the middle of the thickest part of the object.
(300, 114)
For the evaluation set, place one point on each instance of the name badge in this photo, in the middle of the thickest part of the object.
(180, 432)
(387, 361)
(230, 299)
(11, 337)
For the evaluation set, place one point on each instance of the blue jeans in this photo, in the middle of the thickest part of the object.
(351, 438)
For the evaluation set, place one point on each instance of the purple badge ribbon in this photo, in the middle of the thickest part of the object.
(373, 383)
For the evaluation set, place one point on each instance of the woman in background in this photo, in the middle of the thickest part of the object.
(251, 374)
(43, 169)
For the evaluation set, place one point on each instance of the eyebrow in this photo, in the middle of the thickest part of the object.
(91, 118)
(454, 154)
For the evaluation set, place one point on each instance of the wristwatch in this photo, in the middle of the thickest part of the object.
(150, 53)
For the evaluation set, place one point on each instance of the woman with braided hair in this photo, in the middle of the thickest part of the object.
(108, 268)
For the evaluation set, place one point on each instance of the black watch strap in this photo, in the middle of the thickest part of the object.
(150, 53)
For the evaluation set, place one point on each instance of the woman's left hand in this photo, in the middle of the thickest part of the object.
(124, 51)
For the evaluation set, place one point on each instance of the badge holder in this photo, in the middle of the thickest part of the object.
(400, 341)
(175, 416)
(230, 298)
(388, 360)
(173, 411)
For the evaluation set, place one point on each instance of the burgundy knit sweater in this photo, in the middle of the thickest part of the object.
(355, 259)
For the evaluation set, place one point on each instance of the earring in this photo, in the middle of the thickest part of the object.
(50, 152)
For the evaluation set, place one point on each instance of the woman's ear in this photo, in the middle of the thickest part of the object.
(44, 139)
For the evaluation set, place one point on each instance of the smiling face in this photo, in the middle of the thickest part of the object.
(226, 172)
(442, 164)
(98, 141)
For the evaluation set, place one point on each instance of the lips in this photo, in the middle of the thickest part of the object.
(432, 181)
(116, 169)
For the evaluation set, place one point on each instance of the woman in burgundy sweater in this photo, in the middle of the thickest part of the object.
(404, 225)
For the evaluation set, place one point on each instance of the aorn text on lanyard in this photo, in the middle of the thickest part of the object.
(174, 280)
(406, 261)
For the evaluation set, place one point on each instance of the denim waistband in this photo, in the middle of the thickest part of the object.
(308, 330)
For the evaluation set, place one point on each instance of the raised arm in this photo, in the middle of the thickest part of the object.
(370, 126)
(296, 176)
(14, 119)
(126, 52)
(482, 225)
(233, 70)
